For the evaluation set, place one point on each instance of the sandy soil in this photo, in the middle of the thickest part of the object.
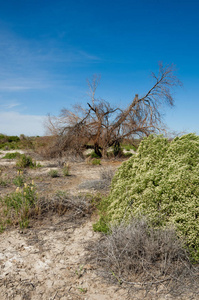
(47, 261)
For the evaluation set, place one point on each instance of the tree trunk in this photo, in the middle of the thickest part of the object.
(97, 149)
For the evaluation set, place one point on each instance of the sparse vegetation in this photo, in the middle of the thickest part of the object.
(53, 173)
(138, 253)
(16, 206)
(3, 183)
(12, 155)
(66, 170)
(127, 154)
(94, 155)
(95, 161)
(19, 180)
(128, 147)
(25, 161)
(141, 257)
(9, 142)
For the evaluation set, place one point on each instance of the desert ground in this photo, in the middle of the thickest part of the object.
(49, 260)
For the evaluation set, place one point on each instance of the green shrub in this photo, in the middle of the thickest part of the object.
(17, 206)
(96, 161)
(19, 180)
(127, 154)
(25, 162)
(128, 147)
(9, 146)
(12, 155)
(162, 183)
(94, 155)
(53, 173)
(13, 139)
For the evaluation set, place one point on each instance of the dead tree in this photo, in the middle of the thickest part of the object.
(106, 125)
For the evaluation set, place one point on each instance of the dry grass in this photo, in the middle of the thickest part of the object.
(61, 203)
(141, 258)
(107, 174)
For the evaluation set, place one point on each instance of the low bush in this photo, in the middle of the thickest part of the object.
(142, 257)
(107, 175)
(19, 180)
(161, 182)
(25, 161)
(53, 173)
(127, 154)
(16, 207)
(128, 147)
(96, 161)
(94, 155)
(13, 139)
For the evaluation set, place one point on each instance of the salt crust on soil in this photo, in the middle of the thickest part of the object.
(45, 262)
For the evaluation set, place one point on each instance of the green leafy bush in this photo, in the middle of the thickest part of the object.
(162, 183)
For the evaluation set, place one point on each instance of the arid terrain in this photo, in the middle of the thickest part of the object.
(50, 258)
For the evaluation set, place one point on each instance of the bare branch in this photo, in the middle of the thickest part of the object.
(104, 125)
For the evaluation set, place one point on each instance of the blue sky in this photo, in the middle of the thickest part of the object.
(49, 48)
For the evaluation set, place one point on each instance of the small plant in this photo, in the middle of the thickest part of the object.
(3, 183)
(83, 290)
(127, 154)
(53, 173)
(66, 170)
(96, 161)
(16, 207)
(12, 155)
(25, 162)
(19, 179)
(107, 174)
(94, 155)
(128, 147)
(80, 271)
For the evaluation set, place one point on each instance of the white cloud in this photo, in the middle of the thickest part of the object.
(9, 105)
(13, 123)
